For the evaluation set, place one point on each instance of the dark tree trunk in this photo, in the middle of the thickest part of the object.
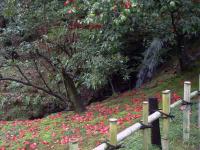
(72, 92)
(184, 59)
(2, 22)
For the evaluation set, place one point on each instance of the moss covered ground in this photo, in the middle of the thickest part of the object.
(91, 128)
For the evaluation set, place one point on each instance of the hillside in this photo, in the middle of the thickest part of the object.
(91, 128)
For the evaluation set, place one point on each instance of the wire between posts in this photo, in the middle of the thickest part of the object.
(164, 115)
(144, 126)
(112, 147)
(188, 103)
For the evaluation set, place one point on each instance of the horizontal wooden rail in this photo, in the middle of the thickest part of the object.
(128, 131)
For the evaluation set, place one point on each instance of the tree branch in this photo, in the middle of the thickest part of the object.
(46, 59)
(21, 72)
(174, 24)
(36, 87)
(40, 74)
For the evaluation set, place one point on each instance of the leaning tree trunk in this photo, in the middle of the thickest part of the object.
(72, 92)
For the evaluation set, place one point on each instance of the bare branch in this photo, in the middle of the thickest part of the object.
(21, 72)
(62, 99)
(41, 76)
(47, 60)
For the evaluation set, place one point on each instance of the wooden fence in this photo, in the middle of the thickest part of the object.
(147, 119)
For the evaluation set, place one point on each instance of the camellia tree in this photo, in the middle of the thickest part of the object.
(69, 47)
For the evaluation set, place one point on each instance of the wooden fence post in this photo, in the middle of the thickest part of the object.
(166, 98)
(186, 111)
(145, 122)
(73, 144)
(199, 104)
(155, 130)
(113, 131)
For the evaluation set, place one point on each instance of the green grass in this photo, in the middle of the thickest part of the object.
(86, 127)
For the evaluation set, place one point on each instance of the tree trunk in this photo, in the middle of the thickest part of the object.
(112, 86)
(72, 92)
(184, 59)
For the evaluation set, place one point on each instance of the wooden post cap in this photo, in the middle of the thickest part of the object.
(113, 120)
(166, 92)
(73, 140)
(187, 82)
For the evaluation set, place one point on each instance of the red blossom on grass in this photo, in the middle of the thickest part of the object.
(128, 118)
(33, 146)
(88, 116)
(21, 134)
(13, 138)
(26, 143)
(128, 107)
(53, 134)
(45, 142)
(47, 128)
(64, 140)
(137, 109)
(3, 122)
(97, 128)
(64, 127)
(136, 100)
(2, 148)
(105, 111)
(175, 97)
(35, 134)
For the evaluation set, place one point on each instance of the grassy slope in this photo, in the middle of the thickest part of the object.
(91, 128)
